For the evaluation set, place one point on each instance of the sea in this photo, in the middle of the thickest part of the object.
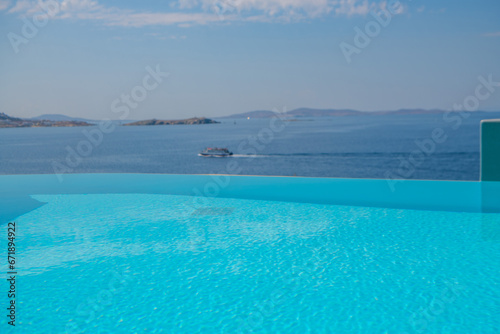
(407, 146)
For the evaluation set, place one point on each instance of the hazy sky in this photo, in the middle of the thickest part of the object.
(230, 56)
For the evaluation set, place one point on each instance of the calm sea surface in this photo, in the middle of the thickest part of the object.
(351, 146)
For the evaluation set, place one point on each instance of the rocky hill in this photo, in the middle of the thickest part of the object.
(189, 121)
(7, 121)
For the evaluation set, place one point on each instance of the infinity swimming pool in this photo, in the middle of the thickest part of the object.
(99, 254)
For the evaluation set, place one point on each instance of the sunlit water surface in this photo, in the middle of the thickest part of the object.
(159, 264)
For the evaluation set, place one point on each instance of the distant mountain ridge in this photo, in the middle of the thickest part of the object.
(252, 114)
(61, 118)
(413, 111)
(301, 112)
(4, 117)
(7, 121)
(311, 112)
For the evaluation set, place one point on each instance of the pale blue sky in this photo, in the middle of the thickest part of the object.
(255, 54)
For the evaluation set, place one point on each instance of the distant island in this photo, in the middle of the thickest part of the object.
(189, 121)
(11, 122)
(310, 112)
(61, 118)
(300, 114)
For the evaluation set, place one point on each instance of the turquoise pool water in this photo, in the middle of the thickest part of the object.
(158, 263)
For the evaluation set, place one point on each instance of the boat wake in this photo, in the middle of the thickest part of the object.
(250, 156)
(329, 154)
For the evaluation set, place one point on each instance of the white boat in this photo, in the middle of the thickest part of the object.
(215, 152)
